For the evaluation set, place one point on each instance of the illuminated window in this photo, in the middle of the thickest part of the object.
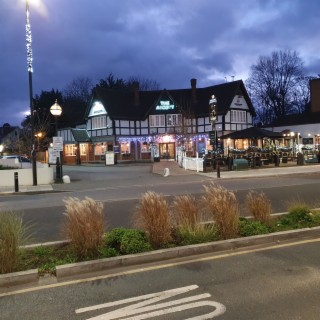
(100, 149)
(145, 147)
(157, 120)
(125, 147)
(83, 149)
(70, 149)
(99, 122)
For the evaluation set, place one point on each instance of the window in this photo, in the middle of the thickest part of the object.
(83, 149)
(70, 149)
(125, 147)
(238, 116)
(157, 120)
(174, 120)
(100, 149)
(99, 122)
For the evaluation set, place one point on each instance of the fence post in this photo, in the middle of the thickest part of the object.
(16, 182)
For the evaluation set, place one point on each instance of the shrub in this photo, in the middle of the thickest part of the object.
(114, 238)
(127, 241)
(152, 216)
(299, 215)
(252, 228)
(259, 206)
(134, 241)
(84, 225)
(200, 234)
(13, 234)
(223, 207)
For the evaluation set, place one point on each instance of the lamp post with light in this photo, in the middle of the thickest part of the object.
(56, 111)
(213, 112)
(30, 71)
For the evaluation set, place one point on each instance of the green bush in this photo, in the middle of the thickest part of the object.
(107, 252)
(114, 237)
(127, 241)
(134, 241)
(249, 228)
(196, 235)
(299, 216)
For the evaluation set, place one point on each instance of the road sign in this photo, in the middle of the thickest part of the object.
(53, 155)
(57, 143)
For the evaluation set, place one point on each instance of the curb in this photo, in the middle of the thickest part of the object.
(31, 277)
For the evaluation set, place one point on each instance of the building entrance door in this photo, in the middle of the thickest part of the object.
(167, 150)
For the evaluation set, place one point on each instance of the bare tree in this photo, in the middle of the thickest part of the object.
(273, 82)
(144, 84)
(79, 89)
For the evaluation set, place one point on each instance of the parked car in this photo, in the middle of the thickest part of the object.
(21, 159)
(17, 161)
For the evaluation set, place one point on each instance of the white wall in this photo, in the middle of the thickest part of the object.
(44, 176)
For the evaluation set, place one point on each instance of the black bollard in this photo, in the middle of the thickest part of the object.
(16, 182)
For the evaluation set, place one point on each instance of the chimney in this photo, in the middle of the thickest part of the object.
(194, 90)
(315, 95)
(136, 96)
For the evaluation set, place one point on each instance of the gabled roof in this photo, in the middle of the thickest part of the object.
(252, 133)
(121, 104)
(80, 135)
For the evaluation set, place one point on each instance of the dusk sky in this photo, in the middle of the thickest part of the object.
(169, 41)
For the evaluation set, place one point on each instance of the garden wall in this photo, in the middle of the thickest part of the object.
(44, 176)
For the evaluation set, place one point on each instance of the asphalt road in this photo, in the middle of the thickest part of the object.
(280, 282)
(120, 189)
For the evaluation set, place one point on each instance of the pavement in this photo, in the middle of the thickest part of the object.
(160, 168)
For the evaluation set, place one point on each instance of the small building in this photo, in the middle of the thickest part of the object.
(150, 125)
(302, 129)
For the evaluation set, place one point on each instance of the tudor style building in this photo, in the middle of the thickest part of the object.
(145, 125)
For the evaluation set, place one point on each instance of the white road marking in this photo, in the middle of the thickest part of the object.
(146, 308)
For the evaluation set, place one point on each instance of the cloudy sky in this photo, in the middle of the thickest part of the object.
(169, 41)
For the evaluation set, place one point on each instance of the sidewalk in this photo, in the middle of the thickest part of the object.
(174, 169)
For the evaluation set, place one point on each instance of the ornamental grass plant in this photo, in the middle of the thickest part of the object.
(84, 225)
(222, 205)
(187, 221)
(13, 234)
(152, 216)
(259, 206)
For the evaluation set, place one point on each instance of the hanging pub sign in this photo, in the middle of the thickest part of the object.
(212, 137)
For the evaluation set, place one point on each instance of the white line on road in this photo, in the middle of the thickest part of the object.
(145, 309)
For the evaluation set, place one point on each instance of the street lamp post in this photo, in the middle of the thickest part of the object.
(213, 113)
(56, 111)
(30, 71)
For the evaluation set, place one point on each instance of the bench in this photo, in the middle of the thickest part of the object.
(240, 164)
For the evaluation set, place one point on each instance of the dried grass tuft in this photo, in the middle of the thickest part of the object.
(185, 211)
(84, 225)
(152, 216)
(222, 205)
(13, 234)
(259, 206)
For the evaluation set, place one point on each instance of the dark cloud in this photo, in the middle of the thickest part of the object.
(170, 41)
